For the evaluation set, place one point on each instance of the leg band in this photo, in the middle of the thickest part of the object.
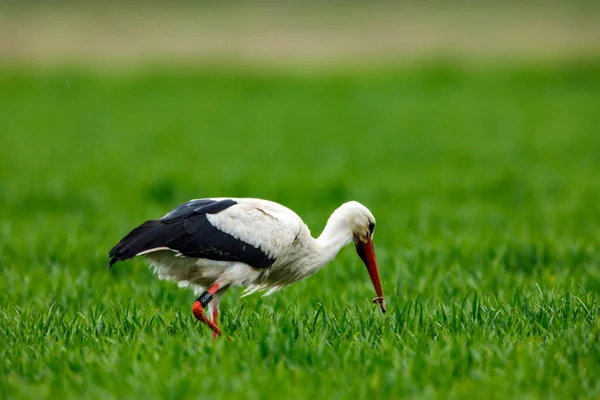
(204, 299)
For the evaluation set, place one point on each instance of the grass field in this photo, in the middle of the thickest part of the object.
(485, 183)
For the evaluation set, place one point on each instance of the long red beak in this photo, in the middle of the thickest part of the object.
(367, 254)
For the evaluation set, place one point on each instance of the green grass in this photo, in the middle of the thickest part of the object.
(485, 184)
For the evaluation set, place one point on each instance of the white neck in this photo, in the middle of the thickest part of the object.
(334, 237)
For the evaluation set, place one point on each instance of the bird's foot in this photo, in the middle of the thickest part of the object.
(198, 310)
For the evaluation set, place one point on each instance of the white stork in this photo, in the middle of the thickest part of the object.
(212, 244)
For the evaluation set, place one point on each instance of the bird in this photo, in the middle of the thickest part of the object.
(213, 244)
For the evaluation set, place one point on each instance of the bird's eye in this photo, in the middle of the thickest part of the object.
(372, 227)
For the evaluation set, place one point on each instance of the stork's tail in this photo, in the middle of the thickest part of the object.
(138, 240)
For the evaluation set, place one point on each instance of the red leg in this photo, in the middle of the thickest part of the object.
(215, 317)
(198, 309)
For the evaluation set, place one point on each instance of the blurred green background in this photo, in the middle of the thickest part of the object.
(471, 131)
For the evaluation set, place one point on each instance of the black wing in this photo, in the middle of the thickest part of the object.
(187, 231)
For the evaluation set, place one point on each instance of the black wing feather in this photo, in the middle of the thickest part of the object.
(187, 230)
(202, 206)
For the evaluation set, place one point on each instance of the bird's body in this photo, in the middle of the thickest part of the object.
(212, 244)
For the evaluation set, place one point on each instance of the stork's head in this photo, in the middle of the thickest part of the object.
(362, 225)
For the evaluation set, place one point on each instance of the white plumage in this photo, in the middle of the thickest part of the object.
(261, 223)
